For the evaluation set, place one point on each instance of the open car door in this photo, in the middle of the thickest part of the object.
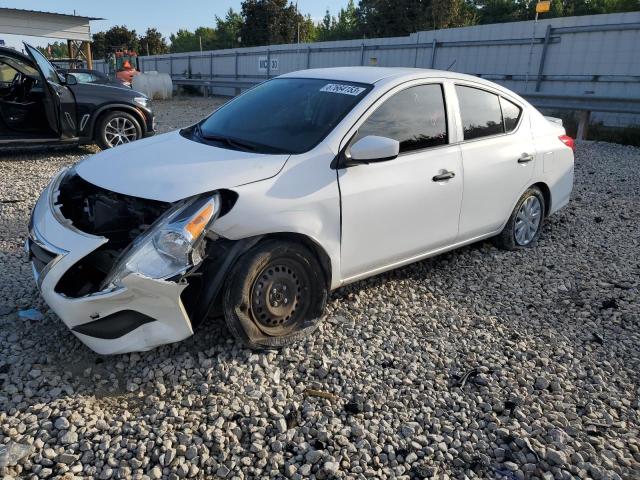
(60, 104)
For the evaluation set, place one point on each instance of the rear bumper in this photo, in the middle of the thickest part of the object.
(139, 315)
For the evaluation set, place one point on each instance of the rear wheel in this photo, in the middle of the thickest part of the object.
(275, 295)
(116, 128)
(525, 223)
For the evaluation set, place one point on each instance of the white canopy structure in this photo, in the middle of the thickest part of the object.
(73, 28)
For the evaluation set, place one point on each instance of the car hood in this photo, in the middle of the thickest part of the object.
(170, 167)
(106, 89)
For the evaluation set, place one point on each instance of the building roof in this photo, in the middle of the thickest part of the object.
(80, 17)
(15, 21)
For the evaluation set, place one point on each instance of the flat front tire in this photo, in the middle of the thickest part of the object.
(117, 128)
(275, 295)
(525, 223)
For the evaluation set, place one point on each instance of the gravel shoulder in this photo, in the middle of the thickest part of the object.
(478, 363)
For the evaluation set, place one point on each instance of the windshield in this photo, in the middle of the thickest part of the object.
(283, 115)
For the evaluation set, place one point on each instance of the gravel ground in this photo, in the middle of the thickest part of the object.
(476, 364)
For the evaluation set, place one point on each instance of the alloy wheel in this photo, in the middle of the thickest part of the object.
(528, 220)
(120, 130)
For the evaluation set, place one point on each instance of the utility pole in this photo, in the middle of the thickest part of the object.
(542, 6)
(298, 20)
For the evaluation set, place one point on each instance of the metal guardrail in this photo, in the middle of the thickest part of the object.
(588, 103)
(206, 84)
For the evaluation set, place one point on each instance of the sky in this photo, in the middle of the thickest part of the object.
(167, 17)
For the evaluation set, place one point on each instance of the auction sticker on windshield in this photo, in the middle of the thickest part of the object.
(343, 89)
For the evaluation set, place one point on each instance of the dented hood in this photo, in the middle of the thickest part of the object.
(170, 167)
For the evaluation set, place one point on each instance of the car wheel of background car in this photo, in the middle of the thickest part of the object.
(275, 295)
(525, 223)
(116, 128)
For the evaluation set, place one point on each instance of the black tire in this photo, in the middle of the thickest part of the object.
(507, 239)
(103, 137)
(274, 295)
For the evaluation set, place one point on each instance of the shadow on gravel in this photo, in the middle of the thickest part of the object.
(18, 153)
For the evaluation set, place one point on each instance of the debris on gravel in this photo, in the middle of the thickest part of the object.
(479, 363)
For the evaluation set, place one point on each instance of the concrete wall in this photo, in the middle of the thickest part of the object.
(588, 55)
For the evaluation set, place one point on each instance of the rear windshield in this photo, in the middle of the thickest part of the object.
(283, 115)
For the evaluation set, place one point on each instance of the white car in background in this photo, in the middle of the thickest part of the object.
(301, 185)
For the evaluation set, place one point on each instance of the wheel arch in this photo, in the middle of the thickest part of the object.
(314, 247)
(115, 107)
(546, 193)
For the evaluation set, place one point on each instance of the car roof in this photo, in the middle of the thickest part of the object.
(376, 74)
(393, 75)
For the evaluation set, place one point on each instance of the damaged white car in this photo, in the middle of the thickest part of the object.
(305, 183)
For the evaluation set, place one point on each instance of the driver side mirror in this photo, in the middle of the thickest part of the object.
(70, 79)
(372, 148)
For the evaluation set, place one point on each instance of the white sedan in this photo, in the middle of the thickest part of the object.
(301, 185)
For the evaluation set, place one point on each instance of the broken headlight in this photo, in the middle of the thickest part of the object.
(168, 248)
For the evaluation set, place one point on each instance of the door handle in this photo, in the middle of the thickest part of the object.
(525, 158)
(445, 175)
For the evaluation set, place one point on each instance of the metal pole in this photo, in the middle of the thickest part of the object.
(533, 36)
(362, 54)
(434, 45)
(308, 57)
(211, 66)
(415, 58)
(543, 56)
(268, 63)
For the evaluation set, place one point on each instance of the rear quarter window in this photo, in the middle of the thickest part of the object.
(511, 114)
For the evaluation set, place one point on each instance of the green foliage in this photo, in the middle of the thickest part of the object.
(186, 41)
(229, 29)
(153, 43)
(55, 50)
(267, 22)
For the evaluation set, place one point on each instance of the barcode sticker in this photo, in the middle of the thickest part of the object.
(343, 89)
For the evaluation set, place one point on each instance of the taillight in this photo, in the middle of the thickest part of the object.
(568, 141)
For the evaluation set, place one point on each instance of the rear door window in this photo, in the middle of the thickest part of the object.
(480, 112)
(415, 117)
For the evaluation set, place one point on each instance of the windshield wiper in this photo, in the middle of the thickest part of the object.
(231, 142)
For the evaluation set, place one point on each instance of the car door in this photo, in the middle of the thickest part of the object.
(396, 210)
(60, 104)
(497, 155)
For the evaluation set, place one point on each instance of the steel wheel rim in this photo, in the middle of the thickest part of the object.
(278, 297)
(120, 130)
(528, 220)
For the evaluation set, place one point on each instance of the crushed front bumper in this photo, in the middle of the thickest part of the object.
(140, 315)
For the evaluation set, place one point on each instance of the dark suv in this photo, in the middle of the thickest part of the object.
(39, 105)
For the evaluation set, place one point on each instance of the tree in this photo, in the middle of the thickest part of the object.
(229, 29)
(99, 45)
(55, 50)
(186, 41)
(345, 27)
(118, 37)
(153, 43)
(267, 22)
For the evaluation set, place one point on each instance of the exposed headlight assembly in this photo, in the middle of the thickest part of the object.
(169, 247)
